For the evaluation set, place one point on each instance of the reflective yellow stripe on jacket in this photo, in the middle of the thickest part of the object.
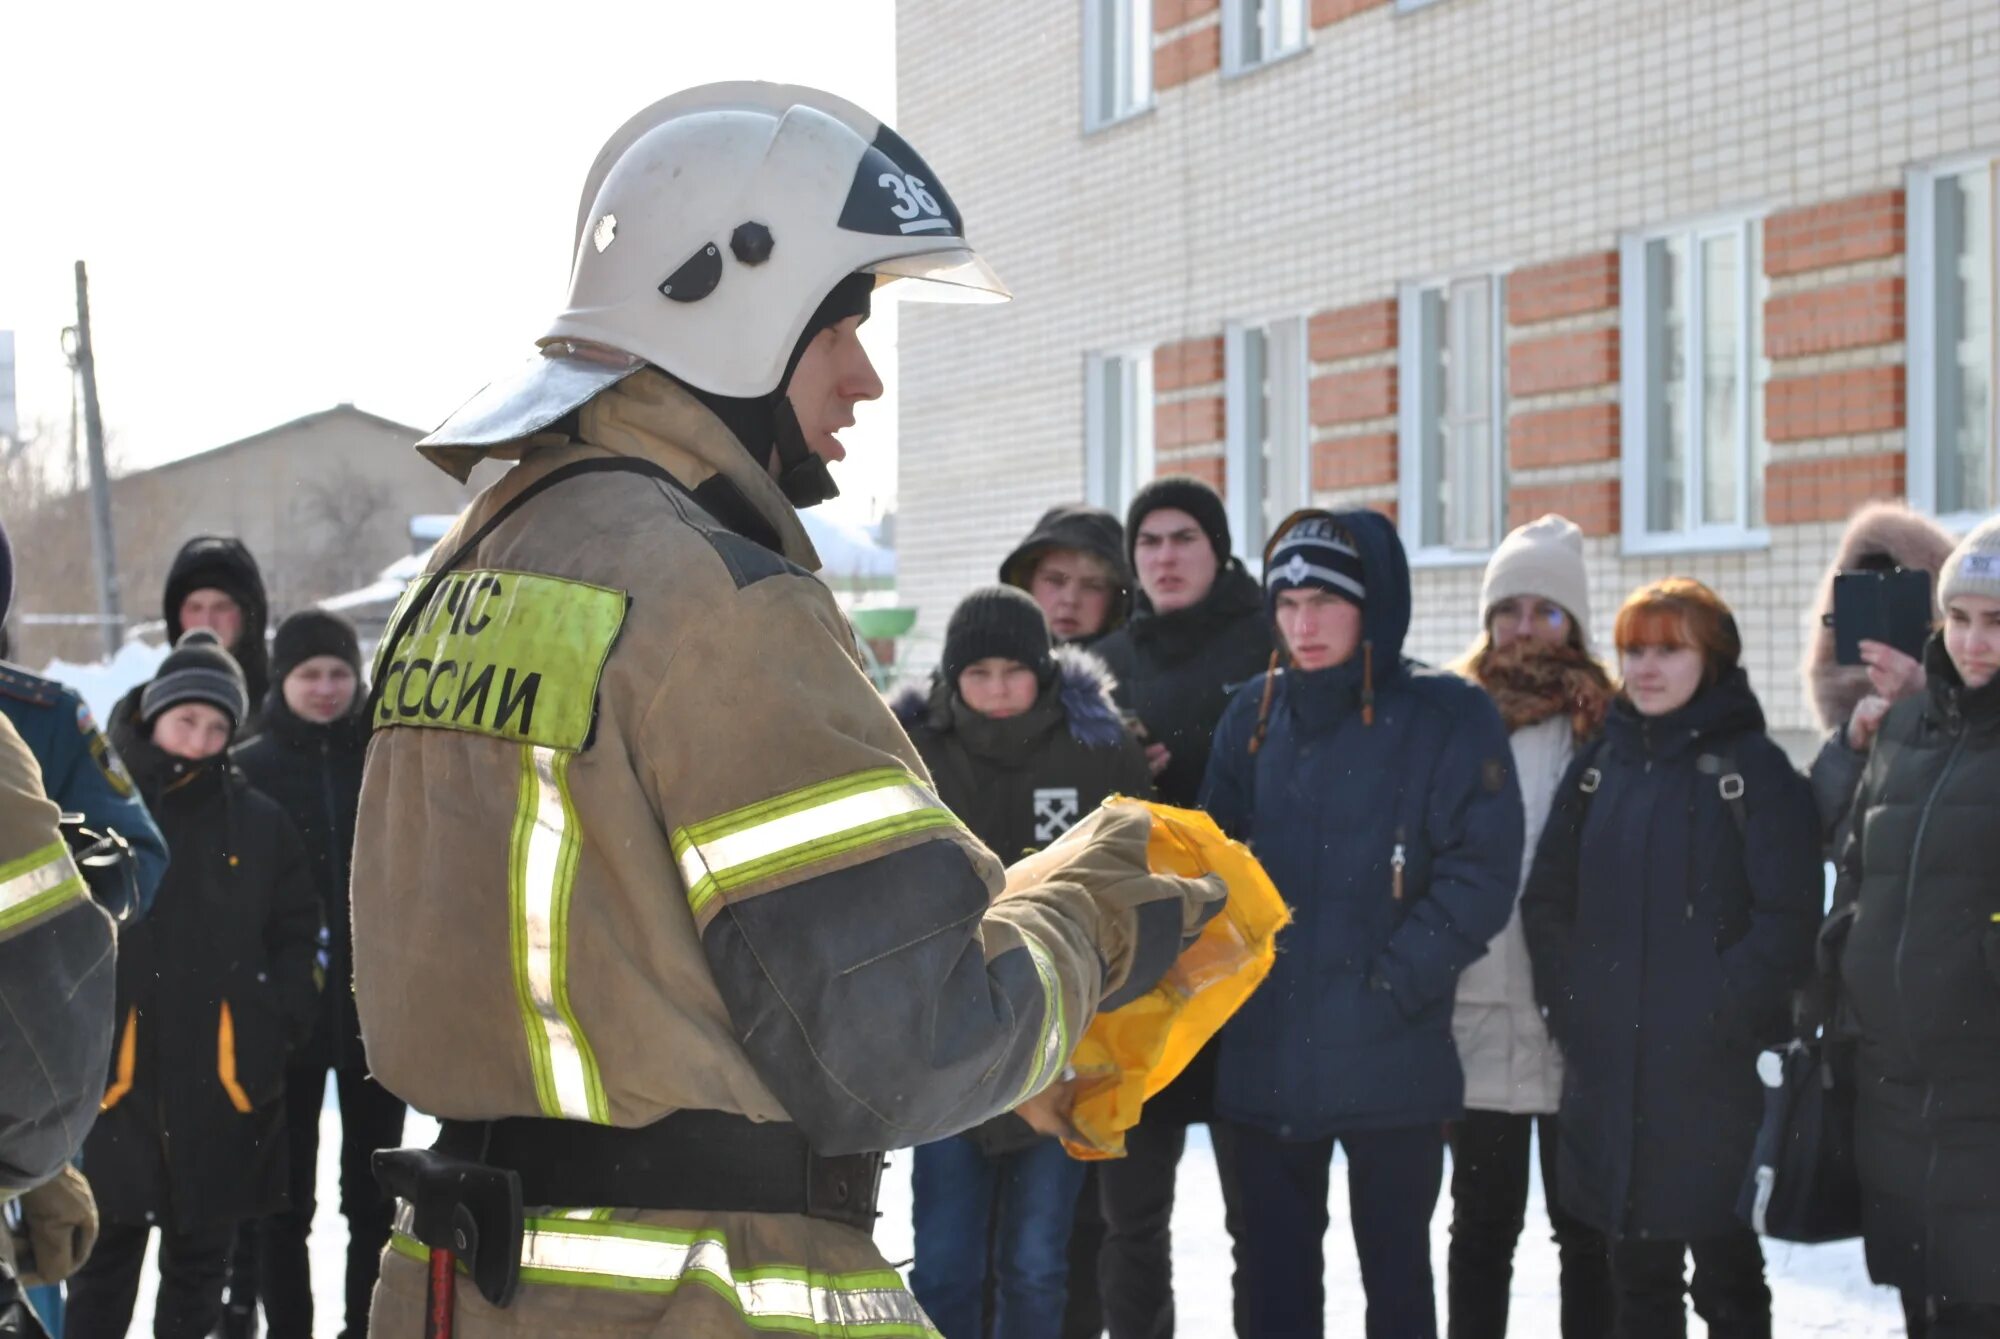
(38, 883)
(635, 1258)
(541, 876)
(777, 836)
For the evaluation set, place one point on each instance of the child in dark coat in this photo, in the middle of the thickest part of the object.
(1021, 740)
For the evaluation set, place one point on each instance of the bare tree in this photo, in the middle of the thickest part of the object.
(344, 512)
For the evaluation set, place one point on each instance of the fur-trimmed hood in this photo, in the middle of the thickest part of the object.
(1083, 687)
(1908, 538)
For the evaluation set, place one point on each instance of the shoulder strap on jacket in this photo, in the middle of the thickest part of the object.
(1729, 785)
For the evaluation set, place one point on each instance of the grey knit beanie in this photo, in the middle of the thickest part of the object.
(1974, 566)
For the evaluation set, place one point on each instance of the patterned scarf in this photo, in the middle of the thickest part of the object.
(1531, 681)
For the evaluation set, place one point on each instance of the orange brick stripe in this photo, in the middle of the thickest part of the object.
(1563, 363)
(1859, 315)
(1819, 237)
(1352, 332)
(1548, 437)
(1170, 14)
(1592, 504)
(1188, 56)
(1187, 423)
(1211, 470)
(1798, 491)
(1353, 397)
(1571, 287)
(1192, 362)
(1354, 462)
(1325, 12)
(1834, 404)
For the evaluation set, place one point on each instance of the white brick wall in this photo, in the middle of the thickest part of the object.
(1469, 132)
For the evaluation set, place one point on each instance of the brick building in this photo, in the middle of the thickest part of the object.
(1703, 275)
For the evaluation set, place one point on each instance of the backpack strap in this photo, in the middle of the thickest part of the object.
(1729, 785)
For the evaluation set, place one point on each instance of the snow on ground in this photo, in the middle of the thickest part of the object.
(1817, 1290)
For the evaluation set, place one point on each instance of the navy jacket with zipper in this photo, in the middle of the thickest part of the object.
(1352, 1030)
(1921, 974)
(1666, 945)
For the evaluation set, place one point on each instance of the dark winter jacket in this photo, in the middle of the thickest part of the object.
(226, 565)
(1022, 782)
(1921, 973)
(1176, 671)
(1666, 943)
(314, 773)
(1352, 1029)
(1091, 530)
(214, 987)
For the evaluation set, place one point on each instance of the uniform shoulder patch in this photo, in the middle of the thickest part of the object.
(101, 753)
(516, 656)
(17, 683)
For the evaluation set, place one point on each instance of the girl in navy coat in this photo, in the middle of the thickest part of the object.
(1670, 914)
(1381, 798)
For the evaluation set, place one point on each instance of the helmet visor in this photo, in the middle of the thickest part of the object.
(958, 275)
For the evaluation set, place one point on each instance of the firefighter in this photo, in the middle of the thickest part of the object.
(654, 904)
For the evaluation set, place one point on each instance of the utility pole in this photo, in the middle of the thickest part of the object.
(102, 545)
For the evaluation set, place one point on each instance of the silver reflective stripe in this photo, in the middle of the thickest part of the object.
(1767, 1182)
(546, 848)
(1054, 1050)
(795, 830)
(632, 1257)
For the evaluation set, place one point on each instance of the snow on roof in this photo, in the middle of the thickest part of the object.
(847, 549)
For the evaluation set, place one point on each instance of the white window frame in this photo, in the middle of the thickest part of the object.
(1267, 442)
(1132, 21)
(1412, 485)
(1271, 47)
(1114, 470)
(1412, 6)
(1921, 353)
(1635, 423)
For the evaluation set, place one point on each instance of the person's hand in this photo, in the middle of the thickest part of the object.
(1048, 1111)
(1157, 758)
(1893, 675)
(1867, 719)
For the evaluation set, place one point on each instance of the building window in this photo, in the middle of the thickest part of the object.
(1454, 415)
(1694, 373)
(1266, 465)
(1117, 60)
(1118, 426)
(1953, 262)
(1257, 32)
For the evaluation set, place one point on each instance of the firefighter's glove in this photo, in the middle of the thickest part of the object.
(1120, 859)
(58, 1229)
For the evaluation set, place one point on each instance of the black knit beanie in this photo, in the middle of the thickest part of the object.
(997, 621)
(197, 670)
(310, 633)
(1181, 493)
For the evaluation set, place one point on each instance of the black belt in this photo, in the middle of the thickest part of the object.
(699, 1161)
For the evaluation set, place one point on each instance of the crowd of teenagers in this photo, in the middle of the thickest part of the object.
(1559, 895)
(246, 751)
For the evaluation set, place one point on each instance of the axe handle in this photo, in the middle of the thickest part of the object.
(441, 1298)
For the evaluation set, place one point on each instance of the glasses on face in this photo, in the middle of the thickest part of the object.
(1540, 614)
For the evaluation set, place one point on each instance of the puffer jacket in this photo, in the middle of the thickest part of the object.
(1020, 783)
(1511, 1064)
(1921, 974)
(1395, 841)
(1666, 944)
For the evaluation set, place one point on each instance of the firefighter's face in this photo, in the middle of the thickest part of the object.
(212, 609)
(998, 688)
(321, 689)
(192, 730)
(833, 376)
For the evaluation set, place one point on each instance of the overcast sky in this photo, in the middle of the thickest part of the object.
(373, 204)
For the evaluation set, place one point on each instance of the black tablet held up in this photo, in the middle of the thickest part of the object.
(1890, 607)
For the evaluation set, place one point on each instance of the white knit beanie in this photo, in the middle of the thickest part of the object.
(1545, 559)
(1974, 566)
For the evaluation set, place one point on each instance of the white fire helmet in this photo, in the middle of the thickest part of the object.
(711, 227)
